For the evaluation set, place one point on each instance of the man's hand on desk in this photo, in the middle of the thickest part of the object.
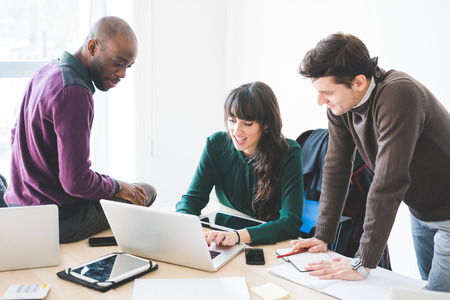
(313, 245)
(338, 268)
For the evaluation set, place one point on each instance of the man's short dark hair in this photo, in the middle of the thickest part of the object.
(343, 56)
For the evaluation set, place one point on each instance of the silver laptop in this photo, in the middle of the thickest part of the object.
(165, 236)
(29, 237)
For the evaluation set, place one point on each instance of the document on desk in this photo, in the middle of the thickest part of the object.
(300, 260)
(376, 286)
(191, 288)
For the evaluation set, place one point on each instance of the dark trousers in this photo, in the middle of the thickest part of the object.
(86, 218)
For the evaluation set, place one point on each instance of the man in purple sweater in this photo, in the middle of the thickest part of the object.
(50, 140)
(403, 134)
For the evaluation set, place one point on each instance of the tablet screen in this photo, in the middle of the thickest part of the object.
(111, 268)
(225, 221)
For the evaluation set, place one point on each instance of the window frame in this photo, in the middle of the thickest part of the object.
(20, 69)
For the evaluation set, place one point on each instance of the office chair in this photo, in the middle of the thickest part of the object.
(314, 144)
(309, 220)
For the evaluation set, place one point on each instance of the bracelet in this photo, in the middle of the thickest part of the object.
(239, 237)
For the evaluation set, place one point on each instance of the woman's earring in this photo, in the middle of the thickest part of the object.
(266, 130)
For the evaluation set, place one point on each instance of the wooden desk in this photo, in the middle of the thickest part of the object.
(79, 252)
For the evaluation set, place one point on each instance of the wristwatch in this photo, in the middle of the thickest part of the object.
(356, 264)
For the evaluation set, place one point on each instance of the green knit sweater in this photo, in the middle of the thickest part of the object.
(226, 169)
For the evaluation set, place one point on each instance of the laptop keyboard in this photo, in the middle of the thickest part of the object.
(214, 254)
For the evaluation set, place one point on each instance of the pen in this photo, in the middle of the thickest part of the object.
(293, 252)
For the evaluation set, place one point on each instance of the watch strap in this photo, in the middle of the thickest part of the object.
(356, 264)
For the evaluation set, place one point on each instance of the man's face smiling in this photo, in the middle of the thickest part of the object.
(110, 62)
(338, 97)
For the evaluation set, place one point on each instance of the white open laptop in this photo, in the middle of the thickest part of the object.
(165, 236)
(29, 237)
(404, 294)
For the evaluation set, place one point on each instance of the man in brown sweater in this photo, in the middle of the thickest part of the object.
(403, 134)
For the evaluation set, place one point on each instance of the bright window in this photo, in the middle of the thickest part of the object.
(33, 33)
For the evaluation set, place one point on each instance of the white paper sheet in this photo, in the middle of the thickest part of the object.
(193, 288)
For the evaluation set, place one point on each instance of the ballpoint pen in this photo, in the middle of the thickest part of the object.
(293, 252)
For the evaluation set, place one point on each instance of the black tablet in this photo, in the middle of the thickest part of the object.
(110, 269)
(228, 222)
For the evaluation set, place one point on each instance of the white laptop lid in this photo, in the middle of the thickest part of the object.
(29, 237)
(166, 236)
(404, 294)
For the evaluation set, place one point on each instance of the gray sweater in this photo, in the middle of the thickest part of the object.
(403, 134)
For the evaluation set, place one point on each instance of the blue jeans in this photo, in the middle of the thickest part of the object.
(432, 245)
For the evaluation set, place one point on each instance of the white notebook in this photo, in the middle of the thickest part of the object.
(300, 260)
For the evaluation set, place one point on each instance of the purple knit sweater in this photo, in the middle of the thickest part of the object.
(50, 140)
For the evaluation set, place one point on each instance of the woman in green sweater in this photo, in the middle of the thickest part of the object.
(253, 168)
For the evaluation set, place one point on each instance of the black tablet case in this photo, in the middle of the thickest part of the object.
(64, 274)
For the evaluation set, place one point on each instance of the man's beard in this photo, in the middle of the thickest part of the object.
(96, 68)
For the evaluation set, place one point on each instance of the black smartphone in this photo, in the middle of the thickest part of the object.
(254, 256)
(102, 241)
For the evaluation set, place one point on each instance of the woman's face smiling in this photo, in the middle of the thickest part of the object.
(245, 134)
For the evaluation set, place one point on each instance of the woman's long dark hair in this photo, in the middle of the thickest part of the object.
(257, 102)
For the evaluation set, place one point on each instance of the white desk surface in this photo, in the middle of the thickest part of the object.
(79, 252)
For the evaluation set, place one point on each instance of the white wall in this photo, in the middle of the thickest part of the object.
(189, 68)
(193, 52)
(268, 39)
(157, 119)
